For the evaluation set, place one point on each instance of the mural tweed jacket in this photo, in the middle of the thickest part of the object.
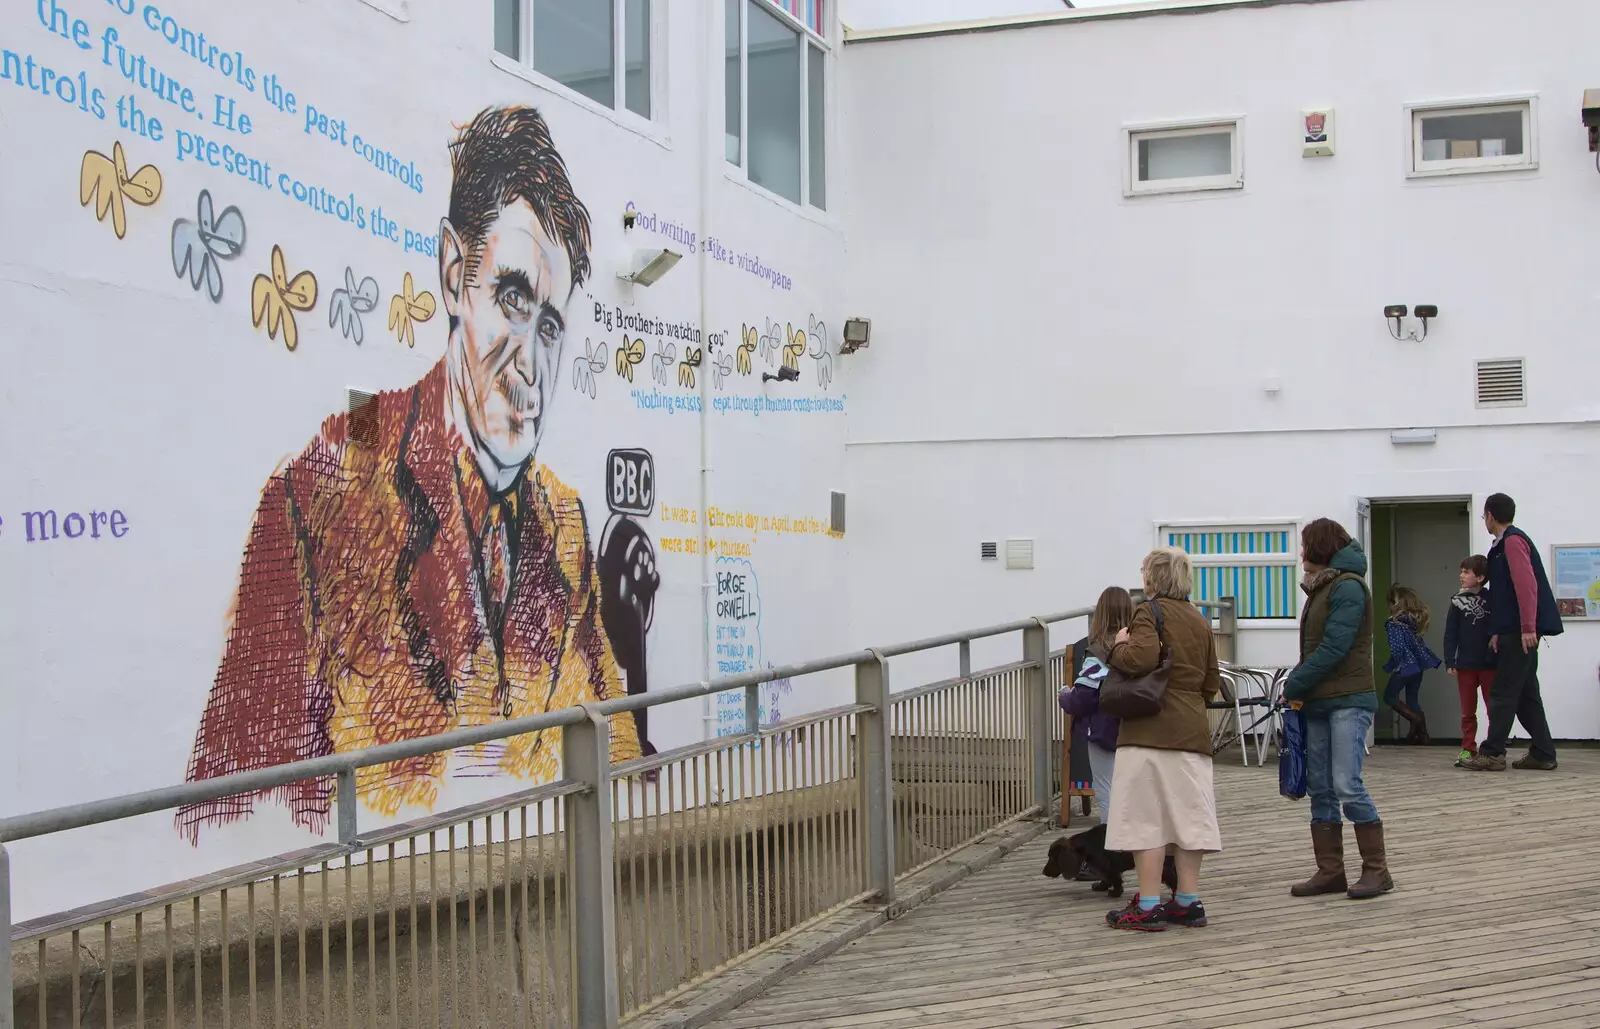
(360, 618)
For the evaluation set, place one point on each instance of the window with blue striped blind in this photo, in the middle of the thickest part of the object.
(1260, 589)
(806, 12)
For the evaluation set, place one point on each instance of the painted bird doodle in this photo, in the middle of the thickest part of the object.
(771, 341)
(692, 356)
(629, 354)
(199, 246)
(661, 364)
(350, 302)
(748, 335)
(587, 367)
(793, 347)
(407, 308)
(106, 181)
(274, 299)
(722, 369)
(817, 334)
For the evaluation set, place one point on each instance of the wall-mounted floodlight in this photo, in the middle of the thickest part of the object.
(649, 265)
(857, 334)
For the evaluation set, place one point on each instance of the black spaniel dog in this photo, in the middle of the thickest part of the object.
(1071, 855)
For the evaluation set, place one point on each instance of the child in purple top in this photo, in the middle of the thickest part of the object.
(1091, 728)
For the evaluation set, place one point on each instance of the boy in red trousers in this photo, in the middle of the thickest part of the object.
(1467, 654)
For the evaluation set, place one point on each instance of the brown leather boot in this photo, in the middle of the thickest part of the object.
(1327, 842)
(1375, 878)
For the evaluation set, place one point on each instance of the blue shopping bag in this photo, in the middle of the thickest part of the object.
(1292, 755)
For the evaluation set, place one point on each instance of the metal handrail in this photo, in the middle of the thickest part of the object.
(166, 798)
(590, 787)
(131, 805)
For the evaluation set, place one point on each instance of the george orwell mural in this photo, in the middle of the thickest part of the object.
(416, 569)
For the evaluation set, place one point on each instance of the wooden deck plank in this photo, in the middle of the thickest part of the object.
(1493, 926)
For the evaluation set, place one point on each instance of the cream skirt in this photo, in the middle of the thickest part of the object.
(1162, 797)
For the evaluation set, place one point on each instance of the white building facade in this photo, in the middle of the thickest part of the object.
(230, 232)
(1115, 305)
(295, 414)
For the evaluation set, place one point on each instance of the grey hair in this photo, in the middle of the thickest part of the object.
(1168, 573)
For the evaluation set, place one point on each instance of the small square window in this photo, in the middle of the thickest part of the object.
(1451, 140)
(1185, 158)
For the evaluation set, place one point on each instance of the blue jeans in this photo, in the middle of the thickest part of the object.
(1411, 684)
(1336, 747)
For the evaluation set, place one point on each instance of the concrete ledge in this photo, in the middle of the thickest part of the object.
(711, 1000)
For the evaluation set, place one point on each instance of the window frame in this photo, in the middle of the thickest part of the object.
(1132, 186)
(523, 68)
(1289, 559)
(1528, 160)
(740, 171)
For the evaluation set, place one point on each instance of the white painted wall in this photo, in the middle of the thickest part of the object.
(1050, 359)
(127, 390)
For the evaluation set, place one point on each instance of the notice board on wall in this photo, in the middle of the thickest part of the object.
(1575, 574)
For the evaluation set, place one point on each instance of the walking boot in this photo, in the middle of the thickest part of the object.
(1375, 878)
(1327, 842)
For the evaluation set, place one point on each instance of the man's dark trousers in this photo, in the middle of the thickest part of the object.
(1515, 697)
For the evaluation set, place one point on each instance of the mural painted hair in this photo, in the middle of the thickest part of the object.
(504, 155)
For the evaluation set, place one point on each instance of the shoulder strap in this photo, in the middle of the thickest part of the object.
(1161, 628)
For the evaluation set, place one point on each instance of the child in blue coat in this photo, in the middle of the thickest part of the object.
(1409, 658)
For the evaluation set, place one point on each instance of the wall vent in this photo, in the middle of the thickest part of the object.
(363, 409)
(1502, 383)
(989, 551)
(1019, 554)
(836, 514)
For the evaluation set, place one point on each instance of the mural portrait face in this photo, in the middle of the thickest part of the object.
(511, 251)
(508, 323)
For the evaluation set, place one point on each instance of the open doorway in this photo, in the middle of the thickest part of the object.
(1419, 542)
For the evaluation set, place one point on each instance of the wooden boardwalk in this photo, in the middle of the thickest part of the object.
(1495, 922)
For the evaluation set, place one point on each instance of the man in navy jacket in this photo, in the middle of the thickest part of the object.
(1522, 611)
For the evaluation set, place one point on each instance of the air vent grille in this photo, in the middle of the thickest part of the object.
(1502, 383)
(363, 408)
(989, 551)
(1019, 554)
(836, 514)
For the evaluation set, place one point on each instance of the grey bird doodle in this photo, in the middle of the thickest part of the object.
(198, 245)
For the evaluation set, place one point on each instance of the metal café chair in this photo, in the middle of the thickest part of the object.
(1261, 691)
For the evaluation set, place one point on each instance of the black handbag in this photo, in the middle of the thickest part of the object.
(1139, 696)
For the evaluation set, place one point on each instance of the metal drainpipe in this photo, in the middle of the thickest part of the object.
(710, 35)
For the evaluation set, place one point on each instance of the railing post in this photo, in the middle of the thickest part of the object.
(966, 659)
(1040, 713)
(877, 778)
(6, 1001)
(1228, 630)
(344, 801)
(752, 710)
(586, 756)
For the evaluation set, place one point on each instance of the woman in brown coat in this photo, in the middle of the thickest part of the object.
(1162, 794)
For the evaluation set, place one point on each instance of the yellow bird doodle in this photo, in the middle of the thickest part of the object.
(106, 181)
(274, 299)
(794, 346)
(749, 335)
(629, 354)
(409, 307)
(692, 356)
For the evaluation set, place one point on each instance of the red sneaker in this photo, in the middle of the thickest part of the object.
(1138, 919)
